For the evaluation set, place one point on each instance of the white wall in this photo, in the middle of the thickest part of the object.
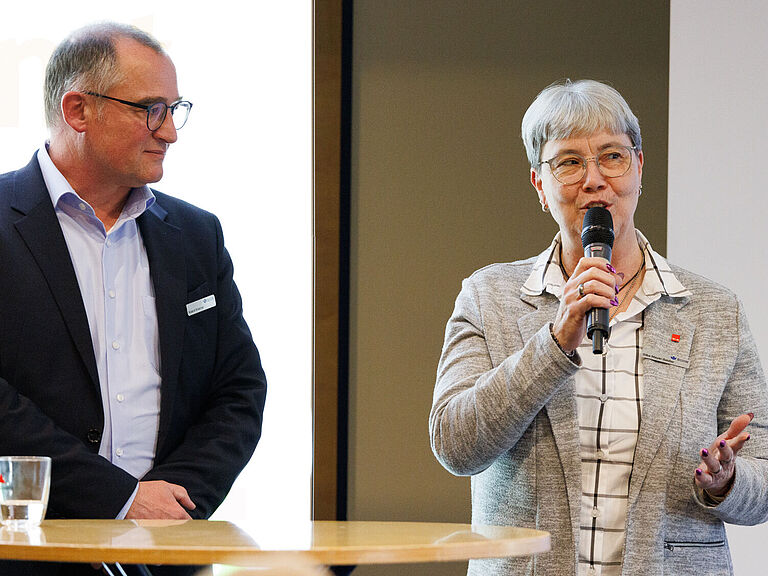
(718, 181)
(246, 155)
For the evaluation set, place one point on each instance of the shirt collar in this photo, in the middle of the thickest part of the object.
(61, 192)
(659, 278)
(548, 276)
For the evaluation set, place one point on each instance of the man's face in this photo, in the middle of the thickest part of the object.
(120, 147)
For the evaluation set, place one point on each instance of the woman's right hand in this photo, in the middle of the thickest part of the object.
(601, 285)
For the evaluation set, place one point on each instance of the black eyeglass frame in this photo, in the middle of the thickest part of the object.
(630, 149)
(147, 107)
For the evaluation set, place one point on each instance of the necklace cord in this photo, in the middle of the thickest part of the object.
(628, 286)
(568, 276)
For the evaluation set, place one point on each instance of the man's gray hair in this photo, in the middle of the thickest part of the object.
(581, 108)
(86, 60)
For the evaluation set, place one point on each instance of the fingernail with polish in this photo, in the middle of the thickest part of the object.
(698, 472)
(751, 415)
(704, 452)
(621, 275)
(749, 436)
(611, 268)
(722, 443)
(616, 288)
(614, 302)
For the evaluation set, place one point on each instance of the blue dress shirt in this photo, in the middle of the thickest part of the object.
(113, 274)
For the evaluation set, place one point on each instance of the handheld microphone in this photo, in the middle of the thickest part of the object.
(597, 240)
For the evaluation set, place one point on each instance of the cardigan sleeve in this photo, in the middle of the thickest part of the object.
(479, 411)
(745, 391)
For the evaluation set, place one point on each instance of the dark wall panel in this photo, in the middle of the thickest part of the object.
(440, 188)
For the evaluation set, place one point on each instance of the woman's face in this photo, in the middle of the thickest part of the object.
(569, 202)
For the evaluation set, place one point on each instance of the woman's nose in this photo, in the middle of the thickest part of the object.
(593, 178)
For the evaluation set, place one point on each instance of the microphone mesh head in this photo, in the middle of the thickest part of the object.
(597, 227)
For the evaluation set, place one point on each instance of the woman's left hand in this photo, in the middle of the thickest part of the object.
(718, 462)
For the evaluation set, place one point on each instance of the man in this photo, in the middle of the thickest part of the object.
(123, 350)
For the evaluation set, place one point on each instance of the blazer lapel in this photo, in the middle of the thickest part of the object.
(663, 372)
(165, 252)
(561, 409)
(664, 365)
(39, 228)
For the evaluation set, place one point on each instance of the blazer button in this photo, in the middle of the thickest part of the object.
(94, 436)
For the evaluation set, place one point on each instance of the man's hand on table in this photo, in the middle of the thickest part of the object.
(160, 499)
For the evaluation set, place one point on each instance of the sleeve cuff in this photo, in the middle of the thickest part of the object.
(710, 500)
(124, 511)
(573, 356)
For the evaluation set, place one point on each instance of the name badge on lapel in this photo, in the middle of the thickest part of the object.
(671, 359)
(199, 305)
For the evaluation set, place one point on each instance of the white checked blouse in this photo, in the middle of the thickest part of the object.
(609, 399)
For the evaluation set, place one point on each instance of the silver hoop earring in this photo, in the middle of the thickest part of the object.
(544, 208)
(640, 190)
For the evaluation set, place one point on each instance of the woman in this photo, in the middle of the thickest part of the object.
(632, 459)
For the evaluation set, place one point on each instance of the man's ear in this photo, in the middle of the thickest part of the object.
(74, 110)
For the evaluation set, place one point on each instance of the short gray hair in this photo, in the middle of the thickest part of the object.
(579, 108)
(87, 60)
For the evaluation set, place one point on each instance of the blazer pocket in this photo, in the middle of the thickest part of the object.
(690, 557)
(200, 291)
(200, 300)
(672, 545)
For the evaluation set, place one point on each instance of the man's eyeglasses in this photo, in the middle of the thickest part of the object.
(157, 112)
(569, 167)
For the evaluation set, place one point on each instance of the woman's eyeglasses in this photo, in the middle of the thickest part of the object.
(569, 167)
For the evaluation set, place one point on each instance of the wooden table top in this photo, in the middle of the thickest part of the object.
(217, 542)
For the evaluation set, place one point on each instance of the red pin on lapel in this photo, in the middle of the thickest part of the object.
(675, 337)
(2, 480)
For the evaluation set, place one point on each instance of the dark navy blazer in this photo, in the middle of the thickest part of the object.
(213, 386)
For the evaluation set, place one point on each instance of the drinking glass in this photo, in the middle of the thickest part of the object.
(24, 485)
